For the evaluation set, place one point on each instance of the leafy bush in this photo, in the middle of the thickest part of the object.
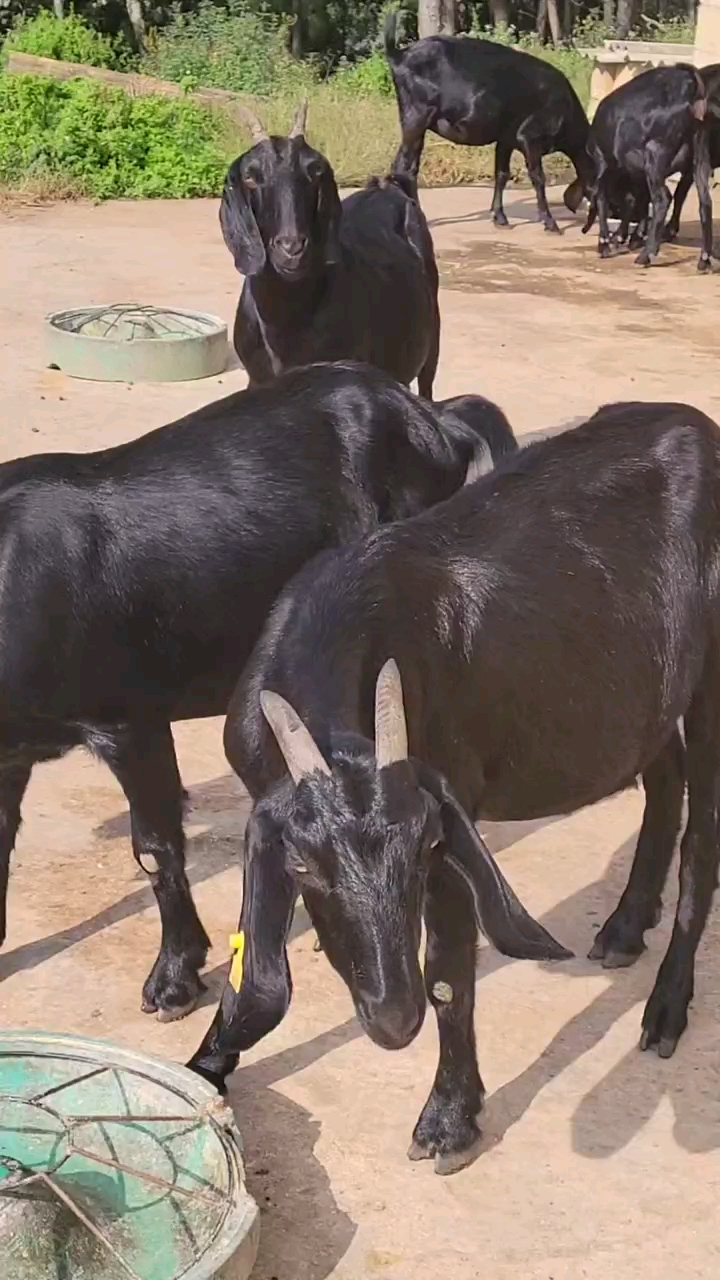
(371, 75)
(69, 39)
(232, 48)
(106, 143)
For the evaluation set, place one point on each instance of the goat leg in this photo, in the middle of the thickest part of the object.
(621, 939)
(665, 1016)
(143, 760)
(533, 151)
(503, 153)
(660, 198)
(13, 783)
(447, 1129)
(681, 193)
(701, 173)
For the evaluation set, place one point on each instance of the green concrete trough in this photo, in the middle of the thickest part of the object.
(129, 342)
(116, 1166)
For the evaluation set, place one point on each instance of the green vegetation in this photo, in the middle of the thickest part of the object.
(82, 137)
(100, 142)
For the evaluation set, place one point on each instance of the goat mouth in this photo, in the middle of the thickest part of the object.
(291, 268)
(394, 1038)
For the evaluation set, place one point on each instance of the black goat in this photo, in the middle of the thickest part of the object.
(552, 623)
(644, 131)
(135, 582)
(476, 92)
(325, 280)
(711, 80)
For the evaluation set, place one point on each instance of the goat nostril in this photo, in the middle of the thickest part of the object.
(292, 246)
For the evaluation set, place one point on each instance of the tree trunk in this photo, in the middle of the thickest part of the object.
(429, 18)
(691, 10)
(554, 21)
(541, 20)
(448, 17)
(59, 8)
(500, 10)
(137, 22)
(625, 18)
(567, 21)
(609, 15)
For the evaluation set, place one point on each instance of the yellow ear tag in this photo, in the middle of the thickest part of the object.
(237, 944)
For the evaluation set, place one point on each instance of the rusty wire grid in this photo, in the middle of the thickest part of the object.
(20, 1177)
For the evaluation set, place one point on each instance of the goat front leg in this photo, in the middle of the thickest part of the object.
(622, 938)
(665, 1016)
(13, 784)
(447, 1129)
(142, 758)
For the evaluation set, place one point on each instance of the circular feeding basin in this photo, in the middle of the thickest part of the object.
(115, 1166)
(126, 342)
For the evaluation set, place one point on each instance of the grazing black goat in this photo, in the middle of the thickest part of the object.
(711, 79)
(326, 280)
(476, 92)
(642, 132)
(135, 582)
(552, 623)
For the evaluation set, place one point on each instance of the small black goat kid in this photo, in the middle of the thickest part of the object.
(136, 580)
(476, 92)
(326, 280)
(642, 133)
(552, 623)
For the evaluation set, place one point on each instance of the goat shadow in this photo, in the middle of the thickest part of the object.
(615, 1110)
(522, 212)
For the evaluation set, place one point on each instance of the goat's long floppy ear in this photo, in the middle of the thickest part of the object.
(329, 213)
(300, 751)
(240, 230)
(499, 912)
(259, 986)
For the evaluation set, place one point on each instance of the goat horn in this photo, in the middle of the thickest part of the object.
(258, 132)
(300, 752)
(391, 739)
(300, 121)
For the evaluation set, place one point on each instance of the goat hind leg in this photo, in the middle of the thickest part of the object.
(660, 198)
(447, 1129)
(143, 761)
(533, 152)
(503, 153)
(665, 1016)
(13, 783)
(622, 938)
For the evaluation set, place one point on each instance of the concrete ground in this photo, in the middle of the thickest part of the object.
(599, 1161)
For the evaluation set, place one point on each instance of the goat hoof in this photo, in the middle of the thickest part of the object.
(500, 219)
(553, 227)
(174, 986)
(454, 1161)
(669, 234)
(644, 259)
(417, 1152)
(706, 265)
(665, 1018)
(604, 249)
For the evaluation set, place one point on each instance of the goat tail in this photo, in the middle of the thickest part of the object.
(699, 106)
(390, 34)
(481, 427)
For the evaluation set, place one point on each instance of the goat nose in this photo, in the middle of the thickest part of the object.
(292, 246)
(392, 1026)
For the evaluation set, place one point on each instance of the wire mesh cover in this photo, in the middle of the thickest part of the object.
(106, 1172)
(129, 321)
